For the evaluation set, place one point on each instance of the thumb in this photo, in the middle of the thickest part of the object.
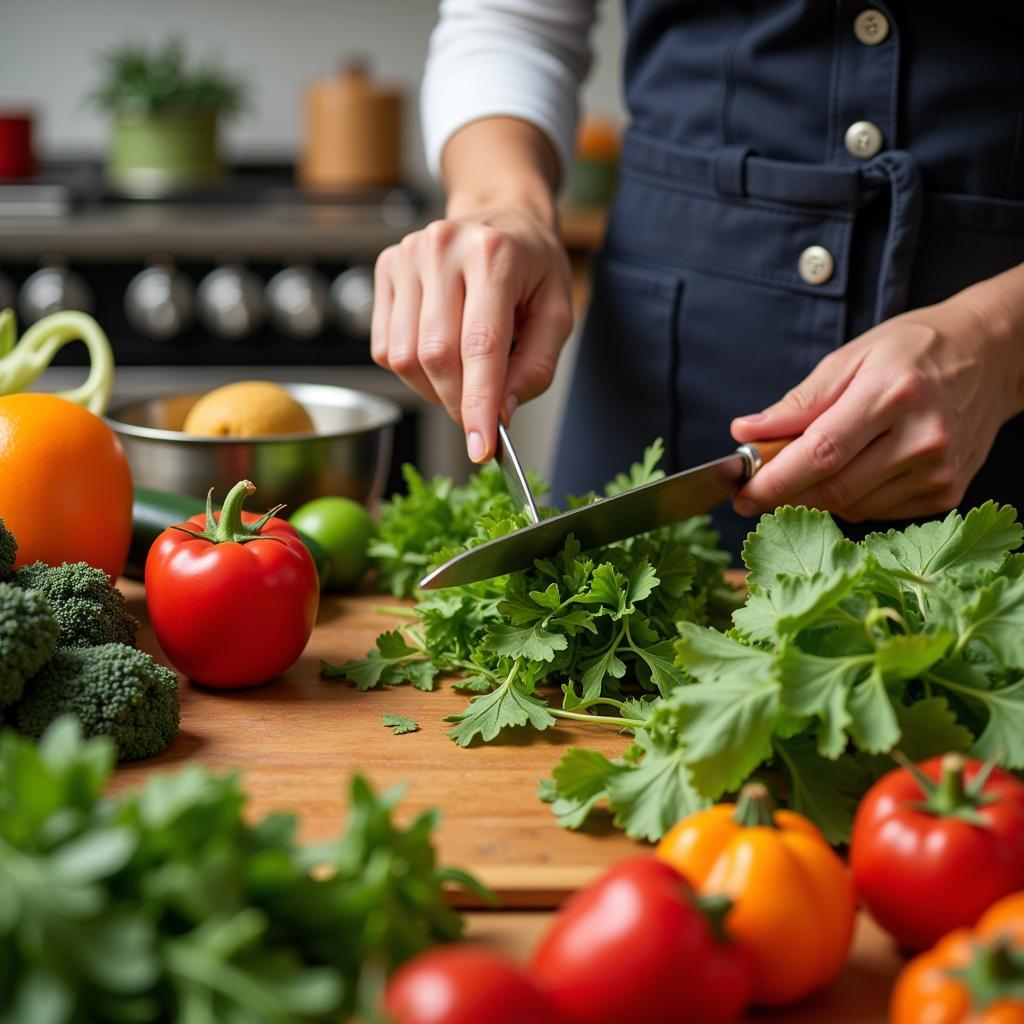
(802, 404)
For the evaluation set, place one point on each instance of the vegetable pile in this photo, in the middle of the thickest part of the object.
(168, 904)
(841, 653)
(67, 647)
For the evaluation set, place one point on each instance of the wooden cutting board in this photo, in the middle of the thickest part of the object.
(298, 739)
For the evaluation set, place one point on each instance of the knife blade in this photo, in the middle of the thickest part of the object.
(665, 501)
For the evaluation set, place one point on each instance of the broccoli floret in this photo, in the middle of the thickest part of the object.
(89, 609)
(8, 551)
(112, 690)
(28, 638)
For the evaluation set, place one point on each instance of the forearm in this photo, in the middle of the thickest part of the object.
(500, 163)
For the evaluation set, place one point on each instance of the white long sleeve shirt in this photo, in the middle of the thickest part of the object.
(511, 58)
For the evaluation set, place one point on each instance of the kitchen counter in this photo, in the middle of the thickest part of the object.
(298, 739)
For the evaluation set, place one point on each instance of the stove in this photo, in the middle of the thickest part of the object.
(247, 276)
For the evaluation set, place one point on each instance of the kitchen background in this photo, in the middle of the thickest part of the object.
(50, 62)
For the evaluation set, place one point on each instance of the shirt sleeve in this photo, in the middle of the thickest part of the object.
(511, 58)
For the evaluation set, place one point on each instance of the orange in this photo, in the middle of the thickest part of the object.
(65, 486)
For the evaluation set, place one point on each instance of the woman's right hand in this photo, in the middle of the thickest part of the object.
(450, 298)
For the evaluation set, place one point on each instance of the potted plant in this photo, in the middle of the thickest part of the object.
(165, 117)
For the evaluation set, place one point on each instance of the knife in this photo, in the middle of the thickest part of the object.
(665, 501)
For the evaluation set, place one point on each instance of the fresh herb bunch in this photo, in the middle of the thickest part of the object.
(589, 621)
(167, 904)
(842, 653)
(142, 81)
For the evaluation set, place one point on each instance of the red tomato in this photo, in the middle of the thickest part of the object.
(928, 858)
(465, 985)
(635, 946)
(234, 603)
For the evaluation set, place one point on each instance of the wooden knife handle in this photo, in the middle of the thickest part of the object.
(764, 451)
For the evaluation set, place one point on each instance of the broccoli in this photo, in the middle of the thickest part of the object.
(112, 690)
(28, 638)
(89, 609)
(8, 550)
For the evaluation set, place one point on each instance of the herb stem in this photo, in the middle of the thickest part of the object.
(395, 609)
(623, 723)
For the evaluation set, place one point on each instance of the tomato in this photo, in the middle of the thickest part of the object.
(929, 856)
(343, 528)
(232, 596)
(793, 899)
(465, 985)
(970, 976)
(636, 946)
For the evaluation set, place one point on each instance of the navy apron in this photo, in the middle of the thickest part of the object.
(795, 171)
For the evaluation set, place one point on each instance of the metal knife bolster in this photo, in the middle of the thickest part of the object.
(751, 459)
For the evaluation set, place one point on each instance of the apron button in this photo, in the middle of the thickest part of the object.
(863, 139)
(816, 264)
(871, 27)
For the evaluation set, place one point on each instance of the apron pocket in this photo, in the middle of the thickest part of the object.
(622, 395)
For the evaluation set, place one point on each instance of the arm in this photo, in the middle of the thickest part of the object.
(896, 424)
(499, 109)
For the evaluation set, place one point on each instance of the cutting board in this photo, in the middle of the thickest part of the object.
(298, 739)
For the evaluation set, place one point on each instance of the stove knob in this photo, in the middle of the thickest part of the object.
(50, 290)
(297, 302)
(231, 302)
(7, 292)
(352, 301)
(158, 302)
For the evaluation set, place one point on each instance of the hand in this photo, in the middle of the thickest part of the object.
(896, 423)
(450, 298)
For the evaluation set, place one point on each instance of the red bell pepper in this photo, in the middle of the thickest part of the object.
(933, 846)
(232, 596)
(640, 945)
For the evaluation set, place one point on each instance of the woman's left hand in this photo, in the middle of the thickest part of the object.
(896, 423)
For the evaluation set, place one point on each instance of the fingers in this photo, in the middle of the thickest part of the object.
(487, 324)
(803, 404)
(440, 330)
(828, 445)
(403, 329)
(539, 340)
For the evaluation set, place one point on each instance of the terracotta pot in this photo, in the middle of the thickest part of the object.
(353, 133)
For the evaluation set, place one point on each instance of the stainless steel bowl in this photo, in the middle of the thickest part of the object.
(349, 454)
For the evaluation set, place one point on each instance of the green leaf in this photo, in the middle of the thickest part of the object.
(640, 473)
(531, 642)
(578, 783)
(642, 581)
(928, 728)
(910, 656)
(392, 661)
(873, 722)
(813, 685)
(399, 723)
(505, 707)
(995, 618)
(726, 720)
(1003, 735)
(607, 588)
(661, 660)
(606, 664)
(797, 542)
(650, 798)
(825, 791)
(957, 546)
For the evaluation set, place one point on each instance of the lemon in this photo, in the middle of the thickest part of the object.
(247, 408)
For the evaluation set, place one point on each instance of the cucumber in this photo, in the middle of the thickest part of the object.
(154, 511)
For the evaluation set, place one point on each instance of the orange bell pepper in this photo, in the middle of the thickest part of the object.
(970, 976)
(793, 899)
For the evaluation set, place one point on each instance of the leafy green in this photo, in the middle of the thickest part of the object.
(399, 724)
(841, 653)
(168, 904)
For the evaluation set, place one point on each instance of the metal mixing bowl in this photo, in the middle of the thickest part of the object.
(350, 453)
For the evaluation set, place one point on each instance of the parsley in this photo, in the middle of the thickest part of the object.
(598, 619)
(167, 903)
(399, 724)
(841, 652)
